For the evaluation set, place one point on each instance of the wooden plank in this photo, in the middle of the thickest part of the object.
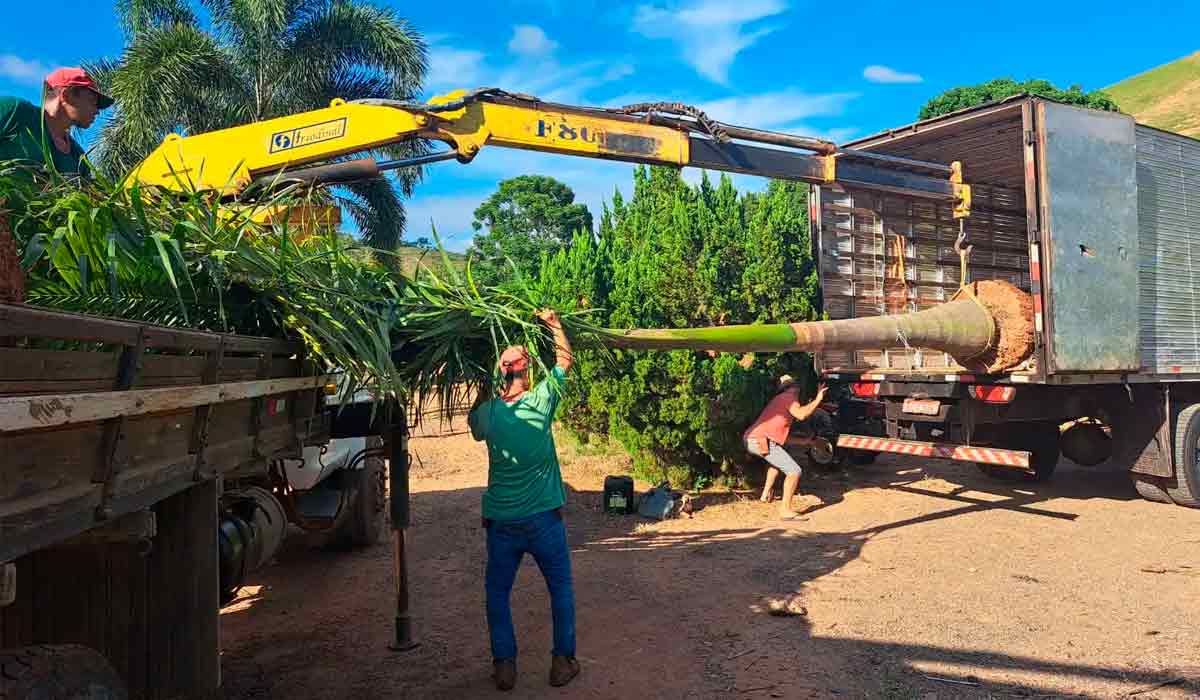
(159, 589)
(94, 560)
(201, 416)
(286, 367)
(17, 619)
(35, 462)
(229, 456)
(19, 320)
(155, 438)
(62, 572)
(112, 441)
(136, 571)
(207, 575)
(32, 412)
(33, 387)
(179, 595)
(173, 366)
(31, 321)
(230, 420)
(158, 476)
(29, 372)
(123, 564)
(41, 461)
(22, 363)
(32, 523)
(197, 666)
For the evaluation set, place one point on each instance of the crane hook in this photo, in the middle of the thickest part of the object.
(964, 251)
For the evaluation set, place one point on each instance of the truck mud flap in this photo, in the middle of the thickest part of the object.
(962, 453)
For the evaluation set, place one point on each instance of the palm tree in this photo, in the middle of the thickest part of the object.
(255, 60)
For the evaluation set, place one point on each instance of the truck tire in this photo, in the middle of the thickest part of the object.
(824, 458)
(366, 519)
(1184, 487)
(1149, 489)
(58, 672)
(1041, 440)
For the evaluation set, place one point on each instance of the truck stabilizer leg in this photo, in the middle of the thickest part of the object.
(397, 445)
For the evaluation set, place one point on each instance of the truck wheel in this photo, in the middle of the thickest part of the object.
(1041, 440)
(824, 457)
(1149, 489)
(366, 518)
(1184, 488)
(58, 671)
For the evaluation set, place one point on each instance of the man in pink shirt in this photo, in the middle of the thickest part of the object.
(767, 434)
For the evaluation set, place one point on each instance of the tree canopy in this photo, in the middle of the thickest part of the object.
(528, 217)
(958, 98)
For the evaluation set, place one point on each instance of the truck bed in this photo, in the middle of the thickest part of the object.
(101, 417)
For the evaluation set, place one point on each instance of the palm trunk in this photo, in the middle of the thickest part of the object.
(988, 328)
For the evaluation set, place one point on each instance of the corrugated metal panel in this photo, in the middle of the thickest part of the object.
(1168, 177)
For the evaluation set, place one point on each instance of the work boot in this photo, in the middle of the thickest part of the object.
(505, 674)
(562, 670)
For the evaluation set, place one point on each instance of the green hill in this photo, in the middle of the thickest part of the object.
(412, 256)
(1167, 97)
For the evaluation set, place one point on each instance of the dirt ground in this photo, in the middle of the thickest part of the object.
(919, 580)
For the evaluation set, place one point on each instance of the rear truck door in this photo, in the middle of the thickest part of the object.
(1087, 198)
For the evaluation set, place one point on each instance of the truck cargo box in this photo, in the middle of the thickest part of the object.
(1096, 216)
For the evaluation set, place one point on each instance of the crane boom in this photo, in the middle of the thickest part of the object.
(307, 146)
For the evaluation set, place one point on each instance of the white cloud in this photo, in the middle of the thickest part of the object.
(530, 40)
(710, 33)
(884, 74)
(454, 65)
(776, 110)
(454, 68)
(837, 135)
(616, 71)
(21, 70)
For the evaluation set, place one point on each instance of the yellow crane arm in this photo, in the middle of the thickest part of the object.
(308, 146)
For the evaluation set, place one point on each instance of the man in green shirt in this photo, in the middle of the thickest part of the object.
(29, 133)
(522, 507)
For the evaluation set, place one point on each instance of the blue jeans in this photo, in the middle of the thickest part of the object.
(545, 537)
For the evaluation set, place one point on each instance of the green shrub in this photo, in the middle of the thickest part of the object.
(676, 255)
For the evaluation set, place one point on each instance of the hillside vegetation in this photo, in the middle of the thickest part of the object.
(1167, 97)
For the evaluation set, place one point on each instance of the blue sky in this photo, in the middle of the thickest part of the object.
(837, 70)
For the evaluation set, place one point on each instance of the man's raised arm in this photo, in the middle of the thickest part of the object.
(562, 345)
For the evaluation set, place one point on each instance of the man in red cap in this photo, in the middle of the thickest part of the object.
(522, 506)
(70, 98)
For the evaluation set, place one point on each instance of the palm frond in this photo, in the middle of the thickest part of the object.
(345, 35)
(137, 16)
(161, 73)
(377, 209)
